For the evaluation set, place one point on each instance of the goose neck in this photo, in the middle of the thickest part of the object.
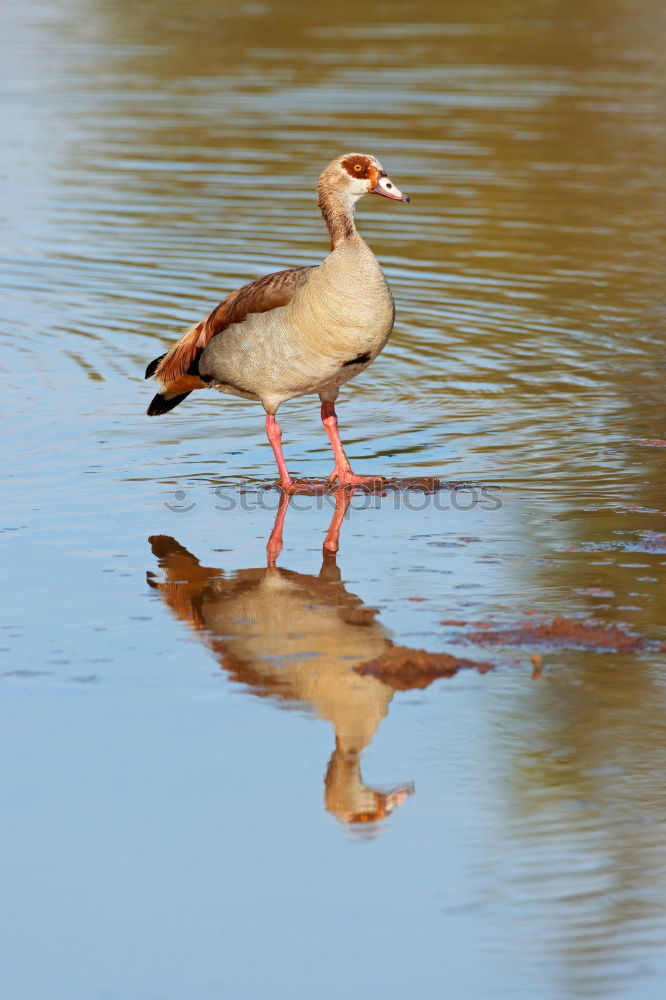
(337, 207)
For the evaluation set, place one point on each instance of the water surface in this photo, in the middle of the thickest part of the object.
(202, 796)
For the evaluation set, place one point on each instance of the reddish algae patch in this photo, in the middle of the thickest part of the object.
(651, 541)
(558, 633)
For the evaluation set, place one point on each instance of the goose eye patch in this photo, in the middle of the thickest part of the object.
(357, 167)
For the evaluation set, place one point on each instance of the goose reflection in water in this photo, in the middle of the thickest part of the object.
(300, 638)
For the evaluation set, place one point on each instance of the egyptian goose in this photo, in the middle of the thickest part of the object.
(295, 332)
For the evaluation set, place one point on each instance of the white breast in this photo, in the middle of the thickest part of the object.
(344, 312)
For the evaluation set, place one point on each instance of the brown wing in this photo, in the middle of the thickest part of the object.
(258, 296)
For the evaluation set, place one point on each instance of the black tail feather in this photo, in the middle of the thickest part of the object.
(152, 367)
(160, 404)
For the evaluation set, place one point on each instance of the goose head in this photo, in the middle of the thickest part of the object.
(355, 174)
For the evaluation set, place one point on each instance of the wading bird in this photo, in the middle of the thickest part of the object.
(295, 332)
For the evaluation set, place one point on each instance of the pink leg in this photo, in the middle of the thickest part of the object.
(342, 471)
(342, 501)
(274, 432)
(274, 546)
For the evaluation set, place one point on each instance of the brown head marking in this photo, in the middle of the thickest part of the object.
(359, 166)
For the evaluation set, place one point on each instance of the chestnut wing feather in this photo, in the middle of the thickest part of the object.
(262, 295)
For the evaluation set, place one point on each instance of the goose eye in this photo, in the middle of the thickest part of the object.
(357, 166)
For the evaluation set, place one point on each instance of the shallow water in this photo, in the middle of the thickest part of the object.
(201, 795)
